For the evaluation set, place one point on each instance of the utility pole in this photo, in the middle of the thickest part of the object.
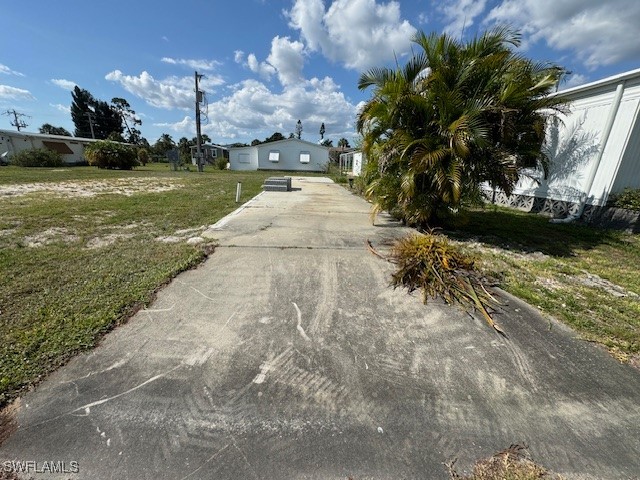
(92, 118)
(16, 116)
(198, 129)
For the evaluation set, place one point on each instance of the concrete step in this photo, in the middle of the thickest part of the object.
(279, 184)
(275, 188)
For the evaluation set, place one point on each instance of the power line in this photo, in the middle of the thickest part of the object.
(16, 119)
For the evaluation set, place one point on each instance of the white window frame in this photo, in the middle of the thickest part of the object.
(306, 154)
(274, 156)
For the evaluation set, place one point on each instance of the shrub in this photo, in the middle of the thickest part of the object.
(37, 157)
(106, 154)
(628, 199)
(431, 264)
(221, 163)
(143, 156)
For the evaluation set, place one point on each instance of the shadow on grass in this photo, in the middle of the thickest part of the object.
(520, 231)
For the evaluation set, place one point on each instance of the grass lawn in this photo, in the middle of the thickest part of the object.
(586, 277)
(76, 261)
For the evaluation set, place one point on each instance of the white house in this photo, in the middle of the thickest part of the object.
(71, 148)
(290, 154)
(594, 150)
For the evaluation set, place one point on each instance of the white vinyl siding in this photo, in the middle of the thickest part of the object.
(244, 158)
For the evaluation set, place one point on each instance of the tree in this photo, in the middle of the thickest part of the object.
(51, 130)
(255, 142)
(204, 138)
(81, 107)
(163, 144)
(455, 116)
(128, 119)
(322, 130)
(299, 129)
(327, 143)
(184, 146)
(274, 138)
(343, 143)
(108, 121)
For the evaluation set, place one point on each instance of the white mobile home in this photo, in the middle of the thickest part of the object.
(71, 148)
(289, 155)
(594, 150)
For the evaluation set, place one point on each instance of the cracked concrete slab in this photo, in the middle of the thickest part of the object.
(287, 355)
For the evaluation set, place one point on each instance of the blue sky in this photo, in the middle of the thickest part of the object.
(269, 63)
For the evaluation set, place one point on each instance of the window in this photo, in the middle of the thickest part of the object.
(59, 147)
(305, 157)
(274, 155)
(243, 158)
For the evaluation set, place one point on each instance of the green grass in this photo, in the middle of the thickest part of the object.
(59, 298)
(572, 272)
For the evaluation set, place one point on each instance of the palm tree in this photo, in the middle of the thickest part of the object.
(455, 116)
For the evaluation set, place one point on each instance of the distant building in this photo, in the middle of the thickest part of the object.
(211, 152)
(290, 155)
(71, 148)
(352, 162)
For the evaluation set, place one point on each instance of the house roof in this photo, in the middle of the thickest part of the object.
(279, 142)
(613, 80)
(45, 136)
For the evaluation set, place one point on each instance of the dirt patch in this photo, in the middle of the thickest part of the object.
(185, 235)
(115, 233)
(8, 422)
(52, 235)
(119, 186)
(595, 281)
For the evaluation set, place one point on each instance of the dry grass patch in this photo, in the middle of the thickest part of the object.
(514, 463)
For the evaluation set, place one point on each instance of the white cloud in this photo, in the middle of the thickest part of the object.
(60, 107)
(460, 14)
(287, 58)
(205, 65)
(261, 68)
(172, 92)
(574, 81)
(358, 33)
(187, 124)
(238, 56)
(62, 83)
(13, 93)
(252, 110)
(7, 71)
(598, 33)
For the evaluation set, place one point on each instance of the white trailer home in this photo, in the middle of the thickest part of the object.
(71, 148)
(594, 151)
(289, 155)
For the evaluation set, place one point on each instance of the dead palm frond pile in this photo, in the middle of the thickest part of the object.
(512, 463)
(432, 264)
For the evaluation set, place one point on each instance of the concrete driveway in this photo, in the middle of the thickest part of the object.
(286, 355)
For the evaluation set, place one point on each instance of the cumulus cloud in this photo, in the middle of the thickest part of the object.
(7, 71)
(598, 33)
(253, 110)
(357, 33)
(238, 56)
(261, 68)
(62, 83)
(187, 124)
(460, 14)
(169, 93)
(287, 57)
(204, 65)
(60, 107)
(13, 93)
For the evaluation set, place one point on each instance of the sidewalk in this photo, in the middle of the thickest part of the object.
(287, 355)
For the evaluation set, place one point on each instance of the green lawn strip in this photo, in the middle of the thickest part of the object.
(553, 267)
(59, 298)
